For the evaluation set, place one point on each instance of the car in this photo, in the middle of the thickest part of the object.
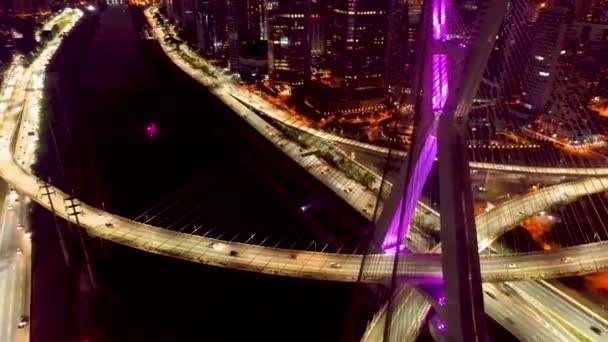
(596, 330)
(9, 207)
(234, 253)
(482, 189)
(19, 226)
(566, 260)
(18, 250)
(216, 246)
(109, 224)
(490, 294)
(521, 213)
(23, 321)
(510, 320)
(293, 256)
(335, 265)
(511, 266)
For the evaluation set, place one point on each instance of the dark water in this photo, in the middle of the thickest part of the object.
(204, 166)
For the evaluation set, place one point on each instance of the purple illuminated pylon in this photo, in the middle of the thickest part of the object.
(422, 167)
(439, 27)
(412, 193)
(440, 81)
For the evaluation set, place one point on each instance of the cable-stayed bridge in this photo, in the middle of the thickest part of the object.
(419, 268)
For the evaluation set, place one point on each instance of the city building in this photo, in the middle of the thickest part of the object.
(321, 28)
(549, 43)
(404, 20)
(317, 33)
(288, 43)
(207, 27)
(592, 53)
(595, 11)
(249, 22)
(320, 100)
(245, 33)
(232, 35)
(359, 43)
(25, 7)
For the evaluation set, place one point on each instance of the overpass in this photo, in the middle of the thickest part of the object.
(588, 258)
(326, 266)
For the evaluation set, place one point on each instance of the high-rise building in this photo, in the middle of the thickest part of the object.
(404, 20)
(359, 43)
(317, 32)
(206, 27)
(549, 43)
(244, 28)
(232, 35)
(249, 22)
(288, 42)
(24, 7)
(595, 11)
(592, 55)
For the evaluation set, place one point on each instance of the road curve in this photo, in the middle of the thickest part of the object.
(325, 266)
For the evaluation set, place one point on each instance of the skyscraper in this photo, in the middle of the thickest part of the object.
(232, 35)
(244, 27)
(288, 42)
(249, 22)
(359, 43)
(317, 31)
(206, 27)
(595, 11)
(549, 43)
(404, 21)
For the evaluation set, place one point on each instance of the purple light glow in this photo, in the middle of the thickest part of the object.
(424, 164)
(440, 81)
(393, 250)
(439, 29)
(411, 194)
(151, 129)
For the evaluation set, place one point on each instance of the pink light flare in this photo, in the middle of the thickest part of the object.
(151, 129)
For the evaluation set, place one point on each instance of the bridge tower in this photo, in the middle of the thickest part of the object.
(450, 71)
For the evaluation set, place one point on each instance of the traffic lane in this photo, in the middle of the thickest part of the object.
(520, 318)
(564, 310)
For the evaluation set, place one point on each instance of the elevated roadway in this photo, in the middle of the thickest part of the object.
(15, 243)
(337, 267)
(415, 267)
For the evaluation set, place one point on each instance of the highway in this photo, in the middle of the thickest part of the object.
(278, 261)
(15, 242)
(491, 234)
(415, 267)
(423, 267)
(15, 272)
(551, 301)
